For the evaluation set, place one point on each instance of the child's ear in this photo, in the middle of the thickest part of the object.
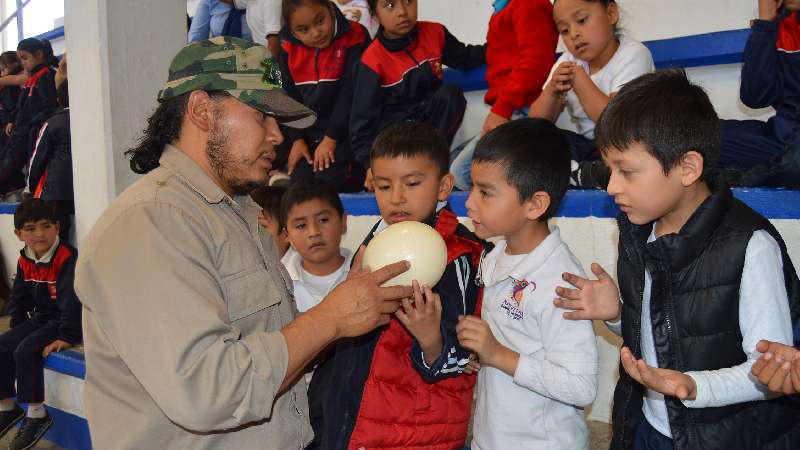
(344, 224)
(613, 13)
(445, 187)
(19, 235)
(537, 205)
(691, 167)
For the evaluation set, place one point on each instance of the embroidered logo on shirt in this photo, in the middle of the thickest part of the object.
(513, 306)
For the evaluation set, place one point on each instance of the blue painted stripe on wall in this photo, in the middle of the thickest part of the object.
(772, 203)
(52, 34)
(69, 431)
(722, 47)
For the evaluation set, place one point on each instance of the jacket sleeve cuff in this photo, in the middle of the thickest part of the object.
(702, 391)
(503, 108)
(336, 132)
(770, 26)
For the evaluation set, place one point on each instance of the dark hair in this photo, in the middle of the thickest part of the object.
(373, 5)
(290, 6)
(303, 192)
(410, 139)
(10, 59)
(667, 114)
(534, 156)
(163, 127)
(34, 210)
(34, 45)
(269, 199)
(605, 4)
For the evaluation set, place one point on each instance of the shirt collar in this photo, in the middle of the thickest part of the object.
(294, 263)
(186, 168)
(45, 259)
(529, 264)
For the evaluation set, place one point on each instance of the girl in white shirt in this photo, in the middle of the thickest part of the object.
(597, 63)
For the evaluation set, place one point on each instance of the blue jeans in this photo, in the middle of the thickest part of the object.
(648, 438)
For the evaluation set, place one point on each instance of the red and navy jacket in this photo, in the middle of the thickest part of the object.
(771, 73)
(396, 78)
(322, 79)
(521, 48)
(381, 394)
(44, 293)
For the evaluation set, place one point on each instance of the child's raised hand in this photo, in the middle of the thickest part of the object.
(665, 381)
(778, 367)
(324, 154)
(423, 318)
(768, 9)
(299, 151)
(475, 335)
(563, 77)
(591, 299)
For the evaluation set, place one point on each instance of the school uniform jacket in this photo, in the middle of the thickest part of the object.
(44, 293)
(396, 77)
(380, 392)
(322, 79)
(771, 73)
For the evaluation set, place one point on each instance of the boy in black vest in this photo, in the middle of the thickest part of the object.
(702, 278)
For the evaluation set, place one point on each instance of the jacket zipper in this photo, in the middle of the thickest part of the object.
(316, 63)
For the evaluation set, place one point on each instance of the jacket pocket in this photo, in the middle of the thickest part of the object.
(249, 292)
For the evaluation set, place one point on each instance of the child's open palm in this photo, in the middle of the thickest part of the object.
(665, 381)
(591, 299)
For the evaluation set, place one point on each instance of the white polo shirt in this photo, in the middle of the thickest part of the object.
(541, 406)
(310, 289)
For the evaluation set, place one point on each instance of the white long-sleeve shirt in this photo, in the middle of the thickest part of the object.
(763, 314)
(540, 407)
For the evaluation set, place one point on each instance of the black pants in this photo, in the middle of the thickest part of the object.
(345, 174)
(752, 155)
(21, 359)
(445, 110)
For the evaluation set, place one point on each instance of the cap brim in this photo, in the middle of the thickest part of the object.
(276, 103)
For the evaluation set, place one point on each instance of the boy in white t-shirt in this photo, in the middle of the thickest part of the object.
(537, 369)
(313, 218)
(264, 19)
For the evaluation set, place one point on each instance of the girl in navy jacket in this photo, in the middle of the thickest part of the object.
(319, 49)
(400, 76)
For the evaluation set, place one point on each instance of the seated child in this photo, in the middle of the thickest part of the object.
(520, 50)
(768, 153)
(358, 11)
(319, 50)
(400, 77)
(10, 65)
(537, 369)
(45, 318)
(401, 386)
(269, 199)
(702, 278)
(596, 64)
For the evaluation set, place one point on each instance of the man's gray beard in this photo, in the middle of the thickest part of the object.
(220, 158)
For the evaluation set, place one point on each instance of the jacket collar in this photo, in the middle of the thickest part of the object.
(340, 27)
(532, 262)
(399, 44)
(681, 248)
(294, 263)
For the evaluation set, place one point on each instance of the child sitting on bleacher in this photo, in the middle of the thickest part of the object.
(9, 94)
(319, 51)
(400, 77)
(768, 153)
(36, 103)
(45, 318)
(596, 64)
(520, 50)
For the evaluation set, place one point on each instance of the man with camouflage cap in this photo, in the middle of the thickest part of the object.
(190, 332)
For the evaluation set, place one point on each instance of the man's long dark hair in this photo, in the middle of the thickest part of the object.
(163, 127)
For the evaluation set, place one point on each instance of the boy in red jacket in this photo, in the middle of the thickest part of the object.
(520, 50)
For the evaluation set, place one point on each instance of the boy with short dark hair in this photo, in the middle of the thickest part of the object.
(45, 318)
(537, 370)
(702, 278)
(269, 199)
(402, 385)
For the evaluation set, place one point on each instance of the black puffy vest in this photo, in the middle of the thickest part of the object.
(696, 275)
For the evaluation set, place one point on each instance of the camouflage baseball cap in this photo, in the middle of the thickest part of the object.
(235, 66)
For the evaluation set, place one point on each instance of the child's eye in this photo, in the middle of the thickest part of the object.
(388, 5)
(413, 183)
(324, 220)
(299, 226)
(583, 20)
(563, 31)
(302, 30)
(383, 188)
(485, 193)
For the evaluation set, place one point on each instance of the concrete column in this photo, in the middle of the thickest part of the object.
(119, 52)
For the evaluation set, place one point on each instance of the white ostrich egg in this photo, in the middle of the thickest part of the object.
(415, 242)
